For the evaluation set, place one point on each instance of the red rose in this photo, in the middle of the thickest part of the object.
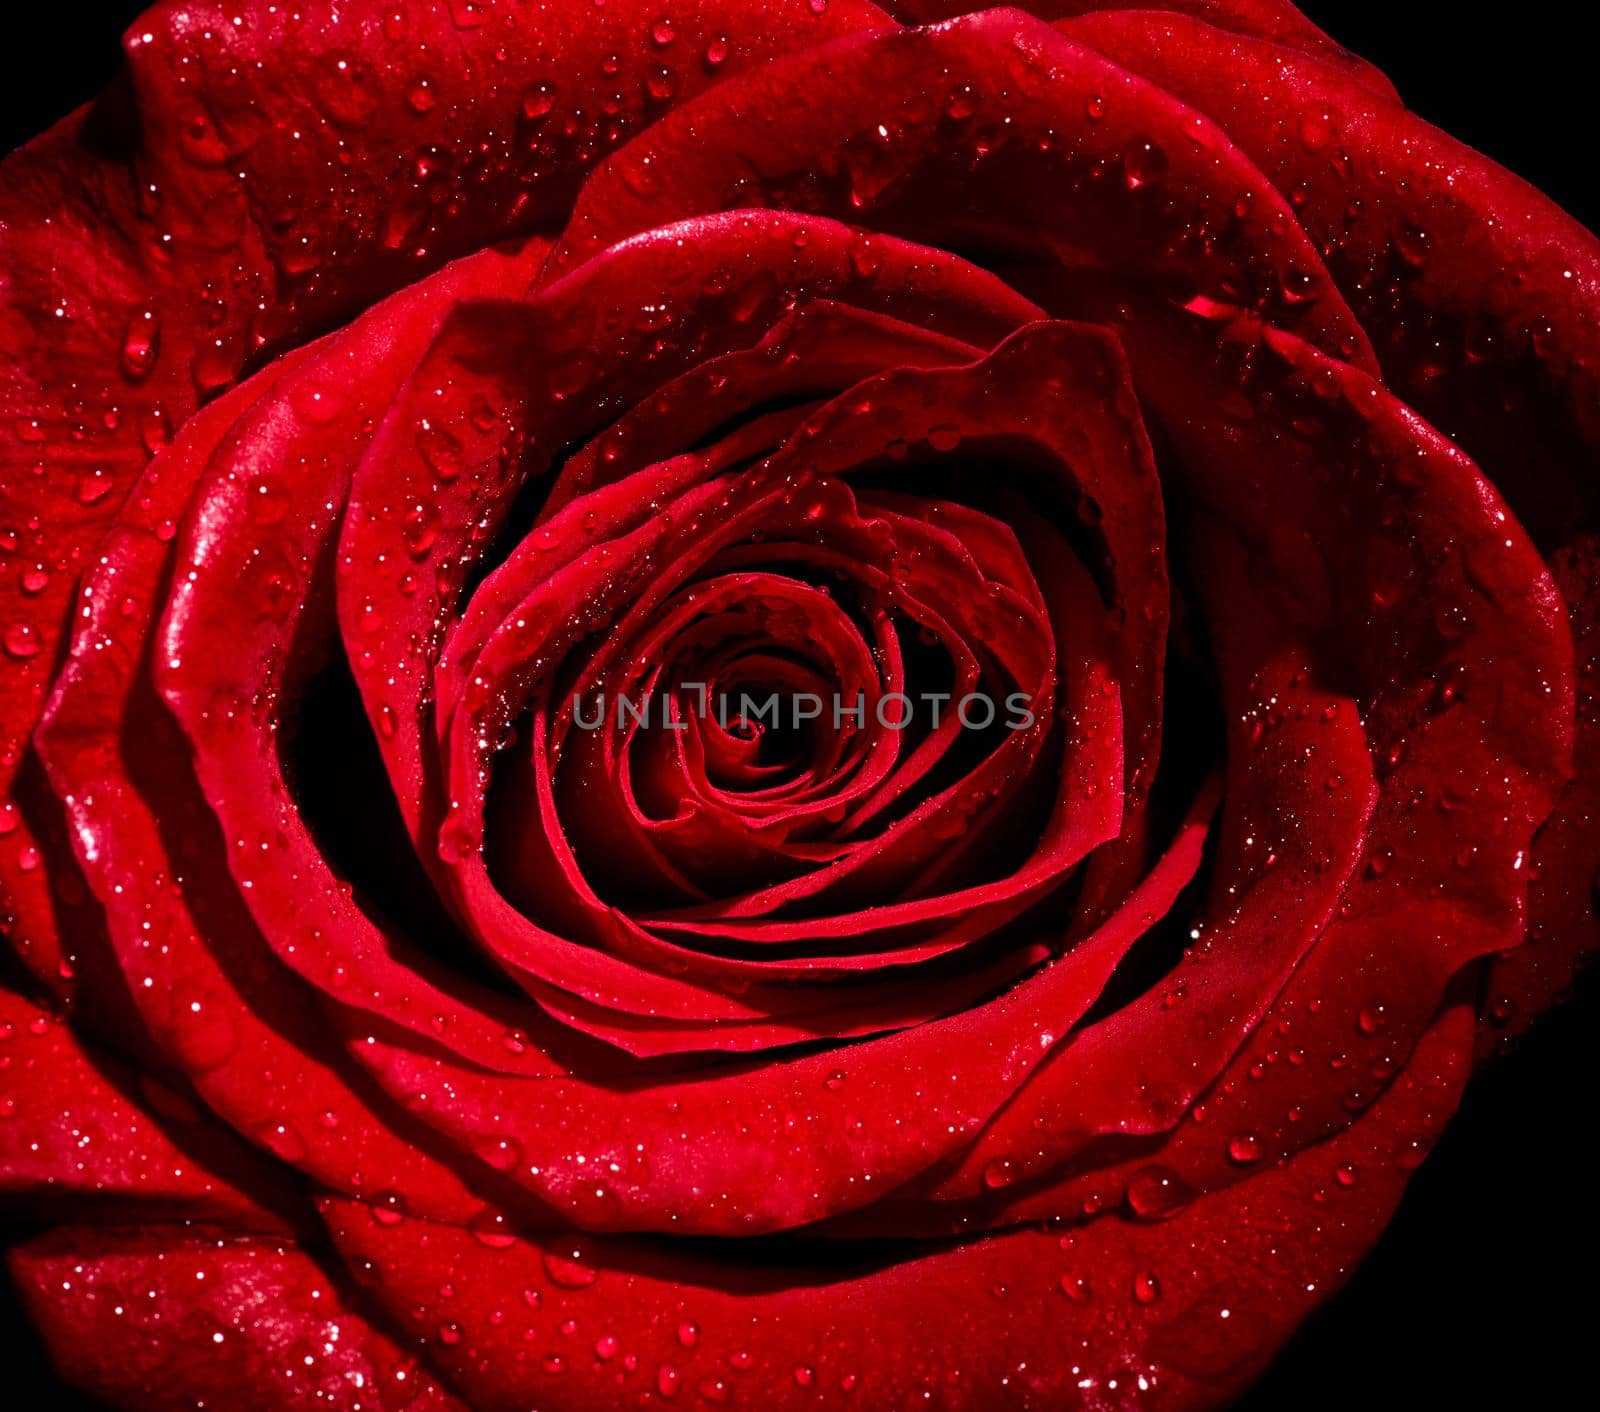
(1052, 1015)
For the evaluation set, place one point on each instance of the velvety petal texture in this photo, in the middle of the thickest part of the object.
(768, 703)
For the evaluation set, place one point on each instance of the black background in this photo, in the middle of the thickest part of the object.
(1483, 1291)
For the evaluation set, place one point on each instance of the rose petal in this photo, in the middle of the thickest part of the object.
(1451, 599)
(164, 1317)
(1274, 20)
(1477, 290)
(1038, 147)
(1563, 923)
(157, 242)
(77, 1128)
(871, 1116)
(1176, 1314)
(210, 993)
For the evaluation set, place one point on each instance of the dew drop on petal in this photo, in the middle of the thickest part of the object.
(568, 1269)
(1244, 1149)
(22, 641)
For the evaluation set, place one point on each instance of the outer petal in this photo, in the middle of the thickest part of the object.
(717, 1153)
(205, 986)
(1177, 1315)
(990, 136)
(168, 1319)
(1563, 915)
(1482, 298)
(1299, 792)
(1274, 20)
(77, 1128)
(1472, 721)
(158, 243)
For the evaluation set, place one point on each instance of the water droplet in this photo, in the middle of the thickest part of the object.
(1155, 1193)
(1244, 1149)
(1316, 129)
(1076, 1288)
(1412, 243)
(962, 103)
(388, 1208)
(470, 14)
(866, 255)
(140, 344)
(538, 101)
(154, 429)
(283, 1142)
(1144, 165)
(999, 1173)
(419, 530)
(315, 404)
(93, 486)
(1300, 285)
(491, 1229)
(456, 844)
(568, 1269)
(440, 450)
(640, 177)
(22, 641)
(216, 363)
(347, 91)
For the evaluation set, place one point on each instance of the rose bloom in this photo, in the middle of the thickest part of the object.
(379, 379)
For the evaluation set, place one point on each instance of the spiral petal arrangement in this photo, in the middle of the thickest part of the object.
(760, 702)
